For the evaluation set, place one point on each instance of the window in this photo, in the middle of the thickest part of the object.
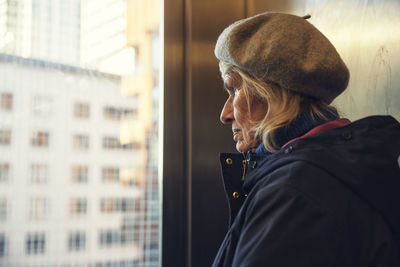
(5, 136)
(38, 208)
(35, 243)
(80, 141)
(39, 174)
(78, 206)
(3, 209)
(131, 176)
(6, 101)
(4, 172)
(118, 237)
(81, 110)
(40, 139)
(113, 143)
(109, 205)
(3, 245)
(77, 241)
(112, 113)
(156, 78)
(79, 174)
(110, 174)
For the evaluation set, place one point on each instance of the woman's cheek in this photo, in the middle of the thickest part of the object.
(248, 137)
(241, 115)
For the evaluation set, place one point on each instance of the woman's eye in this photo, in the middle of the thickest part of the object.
(232, 90)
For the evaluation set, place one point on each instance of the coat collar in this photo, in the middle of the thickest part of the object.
(302, 125)
(274, 159)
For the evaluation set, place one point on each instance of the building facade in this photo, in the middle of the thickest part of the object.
(71, 192)
(79, 94)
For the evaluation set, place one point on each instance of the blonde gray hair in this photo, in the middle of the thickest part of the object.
(284, 105)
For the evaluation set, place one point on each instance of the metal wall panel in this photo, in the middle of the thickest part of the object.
(209, 220)
(174, 203)
(366, 33)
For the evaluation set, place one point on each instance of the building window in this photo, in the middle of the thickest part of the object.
(113, 143)
(80, 141)
(110, 205)
(3, 209)
(38, 208)
(112, 113)
(81, 110)
(39, 174)
(4, 172)
(156, 78)
(77, 241)
(110, 174)
(35, 243)
(6, 101)
(40, 139)
(5, 136)
(79, 174)
(3, 245)
(130, 176)
(78, 206)
(115, 238)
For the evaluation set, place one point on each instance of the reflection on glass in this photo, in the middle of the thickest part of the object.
(78, 133)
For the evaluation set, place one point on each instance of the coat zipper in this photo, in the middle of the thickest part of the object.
(244, 162)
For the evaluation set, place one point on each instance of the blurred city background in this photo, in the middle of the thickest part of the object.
(79, 95)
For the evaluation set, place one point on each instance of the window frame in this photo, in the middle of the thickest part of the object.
(38, 241)
(6, 101)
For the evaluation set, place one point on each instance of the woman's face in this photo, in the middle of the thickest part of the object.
(243, 110)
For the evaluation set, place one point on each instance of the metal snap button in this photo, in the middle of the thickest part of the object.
(235, 194)
(228, 161)
(288, 150)
(347, 135)
(245, 195)
(253, 164)
(398, 161)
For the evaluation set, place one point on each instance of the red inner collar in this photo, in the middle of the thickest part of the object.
(322, 128)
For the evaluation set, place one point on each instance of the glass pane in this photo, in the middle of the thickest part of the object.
(79, 116)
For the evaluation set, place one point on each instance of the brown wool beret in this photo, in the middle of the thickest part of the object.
(287, 50)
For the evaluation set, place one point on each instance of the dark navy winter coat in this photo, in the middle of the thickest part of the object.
(332, 199)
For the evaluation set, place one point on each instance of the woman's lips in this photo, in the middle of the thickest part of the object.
(235, 133)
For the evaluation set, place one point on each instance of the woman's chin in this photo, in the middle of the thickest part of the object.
(242, 147)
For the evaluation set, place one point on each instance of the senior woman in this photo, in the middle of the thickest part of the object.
(308, 188)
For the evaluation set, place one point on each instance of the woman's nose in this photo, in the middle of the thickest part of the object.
(227, 112)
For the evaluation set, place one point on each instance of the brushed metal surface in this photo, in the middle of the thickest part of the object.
(209, 213)
(366, 33)
(174, 202)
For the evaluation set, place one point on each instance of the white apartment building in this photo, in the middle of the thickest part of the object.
(71, 194)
